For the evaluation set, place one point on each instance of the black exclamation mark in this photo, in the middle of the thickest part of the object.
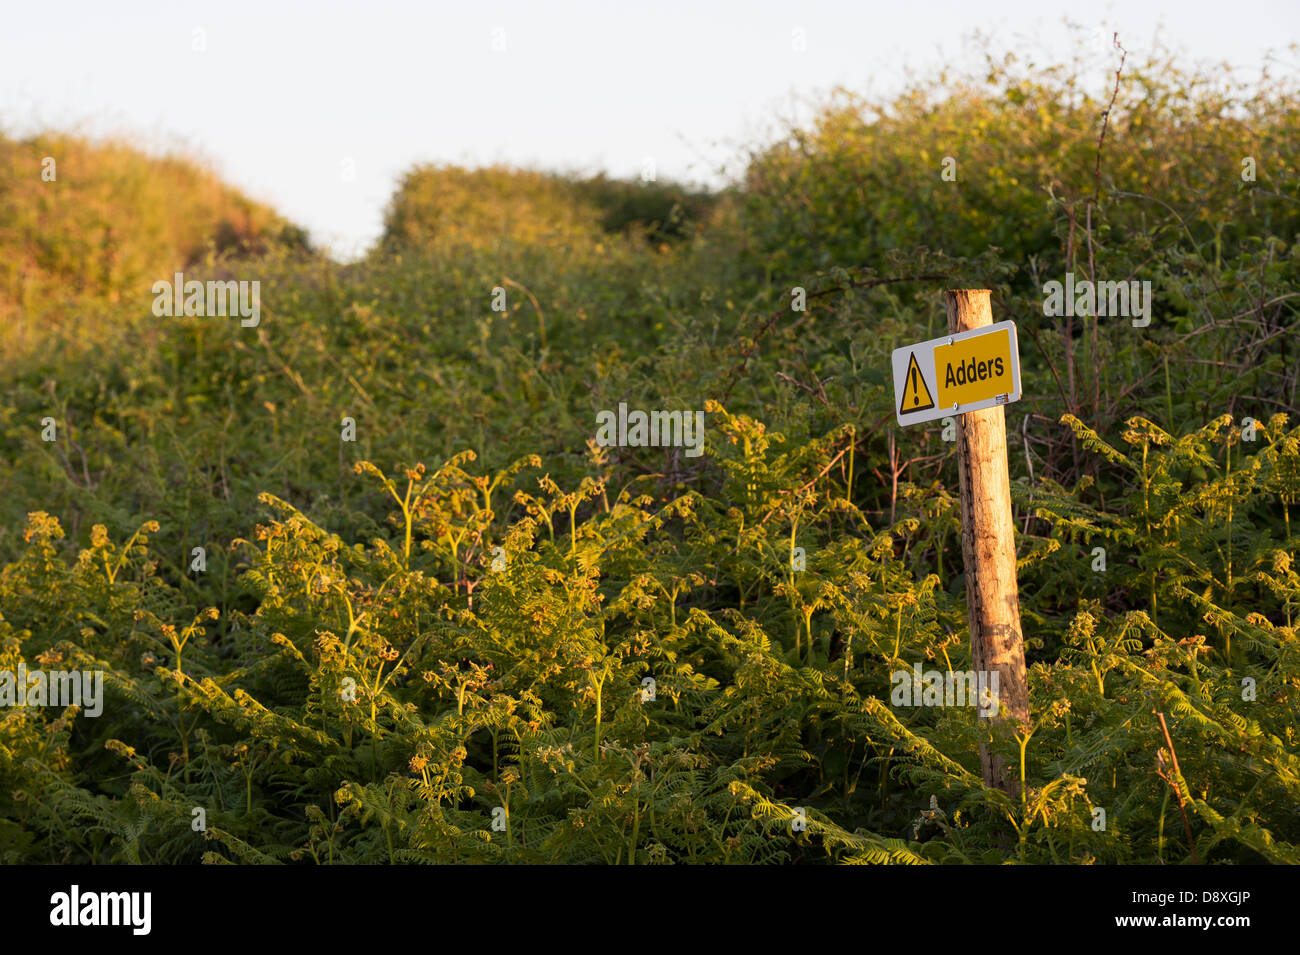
(916, 398)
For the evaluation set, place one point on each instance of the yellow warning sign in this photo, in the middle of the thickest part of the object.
(916, 393)
(956, 374)
(974, 369)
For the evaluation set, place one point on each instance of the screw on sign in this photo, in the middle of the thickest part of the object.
(972, 372)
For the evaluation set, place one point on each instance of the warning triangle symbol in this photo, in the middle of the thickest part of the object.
(916, 393)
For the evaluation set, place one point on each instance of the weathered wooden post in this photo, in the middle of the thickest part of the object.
(970, 374)
(989, 549)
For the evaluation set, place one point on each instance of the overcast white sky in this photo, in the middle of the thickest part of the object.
(284, 96)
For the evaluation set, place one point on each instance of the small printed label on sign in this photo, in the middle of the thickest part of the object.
(957, 373)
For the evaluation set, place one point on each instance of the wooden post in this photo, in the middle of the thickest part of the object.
(988, 546)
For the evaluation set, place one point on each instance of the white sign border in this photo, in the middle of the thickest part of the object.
(925, 362)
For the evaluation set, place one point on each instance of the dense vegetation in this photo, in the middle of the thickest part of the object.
(401, 640)
(82, 221)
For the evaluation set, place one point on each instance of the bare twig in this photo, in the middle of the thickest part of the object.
(1174, 781)
(1105, 118)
